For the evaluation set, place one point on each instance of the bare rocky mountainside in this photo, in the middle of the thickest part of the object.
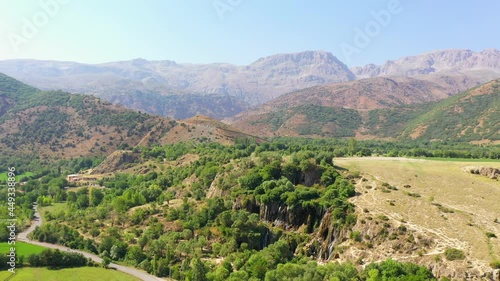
(446, 61)
(175, 88)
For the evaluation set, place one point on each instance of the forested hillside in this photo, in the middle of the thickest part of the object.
(242, 212)
(472, 116)
(61, 125)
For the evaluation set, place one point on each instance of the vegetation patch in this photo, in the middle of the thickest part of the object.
(73, 274)
(452, 254)
(22, 249)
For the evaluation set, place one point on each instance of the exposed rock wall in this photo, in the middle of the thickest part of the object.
(115, 161)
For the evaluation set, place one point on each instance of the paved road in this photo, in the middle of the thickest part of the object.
(37, 221)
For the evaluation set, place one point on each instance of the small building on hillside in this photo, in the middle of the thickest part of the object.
(73, 178)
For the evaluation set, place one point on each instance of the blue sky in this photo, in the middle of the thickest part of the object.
(241, 31)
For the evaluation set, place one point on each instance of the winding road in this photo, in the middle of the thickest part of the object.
(37, 221)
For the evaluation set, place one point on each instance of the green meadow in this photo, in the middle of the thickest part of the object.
(73, 274)
(22, 249)
(4, 176)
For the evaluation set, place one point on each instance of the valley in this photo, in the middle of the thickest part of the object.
(232, 140)
(381, 176)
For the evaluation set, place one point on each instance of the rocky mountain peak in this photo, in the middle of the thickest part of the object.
(298, 59)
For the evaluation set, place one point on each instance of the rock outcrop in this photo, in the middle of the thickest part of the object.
(115, 161)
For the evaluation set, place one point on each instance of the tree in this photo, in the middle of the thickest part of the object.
(352, 147)
(82, 201)
(220, 274)
(105, 262)
(199, 270)
(106, 244)
(71, 197)
(239, 275)
(118, 251)
(120, 204)
(135, 254)
(96, 196)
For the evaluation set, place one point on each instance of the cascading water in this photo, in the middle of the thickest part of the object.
(266, 239)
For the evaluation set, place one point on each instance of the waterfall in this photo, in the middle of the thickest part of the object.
(265, 212)
(266, 239)
(330, 250)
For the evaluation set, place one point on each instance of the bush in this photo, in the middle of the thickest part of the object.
(490, 235)
(452, 254)
(495, 264)
(356, 236)
(56, 258)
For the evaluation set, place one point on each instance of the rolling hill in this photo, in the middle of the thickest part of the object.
(471, 116)
(380, 108)
(62, 125)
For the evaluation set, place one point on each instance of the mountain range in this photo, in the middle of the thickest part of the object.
(222, 90)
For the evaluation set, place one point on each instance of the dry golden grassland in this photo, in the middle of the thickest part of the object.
(455, 208)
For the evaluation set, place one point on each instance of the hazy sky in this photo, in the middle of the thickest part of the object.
(241, 31)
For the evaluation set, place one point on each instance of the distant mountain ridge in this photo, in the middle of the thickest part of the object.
(447, 61)
(222, 90)
(258, 82)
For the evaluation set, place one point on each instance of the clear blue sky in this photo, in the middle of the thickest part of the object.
(192, 31)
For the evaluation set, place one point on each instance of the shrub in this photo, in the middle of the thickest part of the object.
(495, 264)
(452, 254)
(490, 235)
(356, 236)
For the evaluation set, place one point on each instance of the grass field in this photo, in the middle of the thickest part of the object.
(67, 274)
(456, 208)
(53, 209)
(460, 160)
(4, 176)
(22, 249)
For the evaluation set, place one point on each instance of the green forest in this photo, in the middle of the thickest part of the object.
(249, 211)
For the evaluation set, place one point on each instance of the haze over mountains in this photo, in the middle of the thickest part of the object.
(223, 90)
